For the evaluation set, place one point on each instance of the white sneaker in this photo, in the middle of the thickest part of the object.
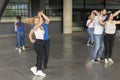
(110, 60)
(88, 44)
(19, 50)
(34, 70)
(40, 73)
(23, 48)
(106, 61)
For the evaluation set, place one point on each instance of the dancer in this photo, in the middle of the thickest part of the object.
(110, 29)
(20, 35)
(98, 36)
(45, 23)
(38, 45)
(90, 29)
(15, 30)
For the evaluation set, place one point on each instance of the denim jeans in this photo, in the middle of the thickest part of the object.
(90, 35)
(98, 48)
(20, 39)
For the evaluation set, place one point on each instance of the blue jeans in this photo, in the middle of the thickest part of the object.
(20, 39)
(98, 48)
(90, 35)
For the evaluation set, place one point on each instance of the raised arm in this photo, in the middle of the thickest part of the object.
(118, 22)
(47, 19)
(116, 13)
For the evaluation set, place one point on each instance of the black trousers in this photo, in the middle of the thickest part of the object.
(40, 51)
(108, 43)
(47, 48)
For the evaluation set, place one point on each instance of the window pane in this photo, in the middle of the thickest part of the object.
(54, 9)
(14, 8)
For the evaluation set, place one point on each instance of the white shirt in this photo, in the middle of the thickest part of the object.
(15, 26)
(91, 25)
(98, 28)
(110, 28)
(39, 34)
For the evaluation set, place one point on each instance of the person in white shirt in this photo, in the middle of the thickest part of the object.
(90, 29)
(98, 36)
(38, 44)
(110, 29)
(15, 30)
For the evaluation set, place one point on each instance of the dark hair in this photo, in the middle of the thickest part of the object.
(17, 17)
(102, 9)
(108, 16)
(19, 21)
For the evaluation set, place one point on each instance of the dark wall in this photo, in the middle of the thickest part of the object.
(37, 5)
(8, 28)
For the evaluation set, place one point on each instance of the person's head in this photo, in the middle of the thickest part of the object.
(19, 21)
(91, 16)
(109, 16)
(36, 20)
(17, 17)
(103, 12)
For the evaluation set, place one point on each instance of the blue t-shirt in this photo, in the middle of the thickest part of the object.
(20, 28)
(45, 27)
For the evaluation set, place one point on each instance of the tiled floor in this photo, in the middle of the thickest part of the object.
(69, 60)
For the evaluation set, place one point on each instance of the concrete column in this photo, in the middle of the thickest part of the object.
(67, 16)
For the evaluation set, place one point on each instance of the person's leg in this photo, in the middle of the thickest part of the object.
(89, 36)
(16, 46)
(23, 41)
(39, 49)
(101, 47)
(47, 48)
(96, 47)
(38, 46)
(18, 40)
(111, 42)
(106, 44)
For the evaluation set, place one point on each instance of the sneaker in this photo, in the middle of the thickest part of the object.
(34, 70)
(23, 48)
(88, 44)
(92, 44)
(100, 59)
(106, 61)
(95, 61)
(110, 60)
(19, 50)
(40, 73)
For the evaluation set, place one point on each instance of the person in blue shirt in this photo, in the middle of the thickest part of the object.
(45, 21)
(20, 34)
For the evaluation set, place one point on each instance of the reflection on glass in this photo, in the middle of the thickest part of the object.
(14, 8)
